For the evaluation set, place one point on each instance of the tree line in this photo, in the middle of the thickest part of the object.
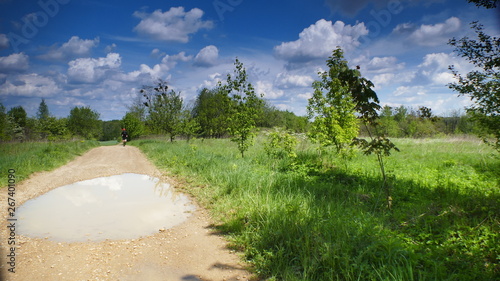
(342, 107)
(16, 125)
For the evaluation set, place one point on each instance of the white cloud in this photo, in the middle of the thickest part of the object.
(267, 90)
(435, 68)
(4, 41)
(30, 85)
(434, 34)
(14, 63)
(110, 48)
(287, 80)
(410, 91)
(171, 59)
(305, 96)
(438, 61)
(319, 40)
(75, 47)
(207, 56)
(213, 81)
(383, 79)
(384, 64)
(90, 70)
(147, 74)
(173, 25)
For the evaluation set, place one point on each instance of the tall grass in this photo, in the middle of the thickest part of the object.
(29, 157)
(323, 218)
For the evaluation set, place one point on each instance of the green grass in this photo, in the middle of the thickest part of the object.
(324, 218)
(29, 157)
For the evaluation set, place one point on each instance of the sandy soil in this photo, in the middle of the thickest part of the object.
(189, 251)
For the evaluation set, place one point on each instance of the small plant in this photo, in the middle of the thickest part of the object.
(281, 144)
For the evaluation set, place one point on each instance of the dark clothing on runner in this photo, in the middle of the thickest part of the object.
(124, 135)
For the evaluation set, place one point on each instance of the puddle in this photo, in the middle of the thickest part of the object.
(124, 206)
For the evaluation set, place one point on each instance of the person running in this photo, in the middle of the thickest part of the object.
(124, 136)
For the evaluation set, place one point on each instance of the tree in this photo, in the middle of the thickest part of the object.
(42, 120)
(3, 124)
(189, 124)
(243, 107)
(488, 4)
(483, 84)
(57, 128)
(110, 130)
(348, 96)
(18, 115)
(17, 120)
(332, 107)
(164, 108)
(211, 111)
(84, 122)
(133, 124)
(43, 111)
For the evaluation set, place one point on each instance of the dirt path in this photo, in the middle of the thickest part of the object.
(190, 251)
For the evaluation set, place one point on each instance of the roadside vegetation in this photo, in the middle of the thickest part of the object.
(30, 157)
(323, 217)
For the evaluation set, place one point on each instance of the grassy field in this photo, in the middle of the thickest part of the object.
(29, 157)
(324, 218)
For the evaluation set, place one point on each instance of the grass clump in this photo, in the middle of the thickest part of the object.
(29, 157)
(324, 218)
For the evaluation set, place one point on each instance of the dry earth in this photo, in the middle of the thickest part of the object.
(189, 251)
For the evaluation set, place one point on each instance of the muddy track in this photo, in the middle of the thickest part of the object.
(189, 251)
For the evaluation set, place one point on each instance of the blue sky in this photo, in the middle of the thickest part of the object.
(100, 53)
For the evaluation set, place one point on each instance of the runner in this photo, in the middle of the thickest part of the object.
(124, 136)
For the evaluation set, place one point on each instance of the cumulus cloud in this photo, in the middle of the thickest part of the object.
(75, 47)
(147, 73)
(318, 40)
(384, 64)
(30, 85)
(410, 92)
(90, 70)
(207, 56)
(14, 63)
(173, 25)
(212, 82)
(287, 80)
(435, 68)
(267, 90)
(428, 35)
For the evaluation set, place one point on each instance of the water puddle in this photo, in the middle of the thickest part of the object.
(124, 206)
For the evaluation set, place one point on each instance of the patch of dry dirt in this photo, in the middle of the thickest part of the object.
(189, 251)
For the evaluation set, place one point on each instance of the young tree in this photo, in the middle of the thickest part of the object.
(348, 95)
(164, 108)
(17, 121)
(189, 125)
(332, 107)
(244, 104)
(43, 111)
(42, 120)
(84, 122)
(483, 84)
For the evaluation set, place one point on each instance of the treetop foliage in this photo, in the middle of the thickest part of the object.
(483, 84)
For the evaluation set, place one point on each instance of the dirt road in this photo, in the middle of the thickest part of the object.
(190, 251)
